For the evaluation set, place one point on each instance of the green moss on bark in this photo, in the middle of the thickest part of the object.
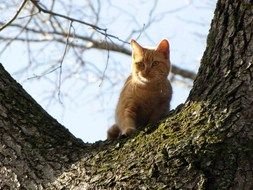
(184, 145)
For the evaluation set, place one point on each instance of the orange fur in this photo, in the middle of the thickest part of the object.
(146, 95)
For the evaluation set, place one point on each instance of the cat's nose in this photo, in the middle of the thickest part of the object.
(145, 72)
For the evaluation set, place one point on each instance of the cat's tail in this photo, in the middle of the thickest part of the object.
(113, 132)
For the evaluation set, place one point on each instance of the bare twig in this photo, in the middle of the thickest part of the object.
(14, 38)
(35, 2)
(15, 16)
(107, 62)
(93, 43)
(100, 30)
(112, 47)
(49, 71)
(61, 62)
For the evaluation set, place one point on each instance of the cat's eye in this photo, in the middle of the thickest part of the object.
(155, 63)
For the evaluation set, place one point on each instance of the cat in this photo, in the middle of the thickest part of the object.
(146, 95)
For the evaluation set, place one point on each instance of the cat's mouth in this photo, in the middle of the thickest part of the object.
(142, 79)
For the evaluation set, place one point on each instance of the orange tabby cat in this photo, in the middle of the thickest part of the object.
(146, 95)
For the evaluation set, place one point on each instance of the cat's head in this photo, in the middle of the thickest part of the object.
(150, 65)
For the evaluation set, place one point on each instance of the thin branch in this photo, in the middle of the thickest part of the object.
(61, 62)
(35, 2)
(107, 61)
(15, 16)
(14, 38)
(100, 30)
(105, 46)
(93, 43)
(43, 74)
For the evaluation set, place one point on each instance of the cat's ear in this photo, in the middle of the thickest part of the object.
(137, 49)
(164, 47)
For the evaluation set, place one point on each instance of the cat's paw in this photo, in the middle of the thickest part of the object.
(128, 131)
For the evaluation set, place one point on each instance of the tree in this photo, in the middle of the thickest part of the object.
(205, 143)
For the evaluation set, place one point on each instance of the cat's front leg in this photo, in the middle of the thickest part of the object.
(128, 127)
(127, 121)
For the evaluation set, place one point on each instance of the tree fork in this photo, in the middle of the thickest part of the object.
(206, 143)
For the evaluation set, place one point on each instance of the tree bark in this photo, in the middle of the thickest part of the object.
(206, 143)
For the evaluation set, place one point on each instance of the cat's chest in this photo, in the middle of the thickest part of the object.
(159, 91)
(150, 99)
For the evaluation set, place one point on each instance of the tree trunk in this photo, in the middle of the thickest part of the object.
(206, 143)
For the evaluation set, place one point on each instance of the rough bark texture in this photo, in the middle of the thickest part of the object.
(207, 143)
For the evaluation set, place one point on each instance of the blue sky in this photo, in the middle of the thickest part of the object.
(88, 107)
